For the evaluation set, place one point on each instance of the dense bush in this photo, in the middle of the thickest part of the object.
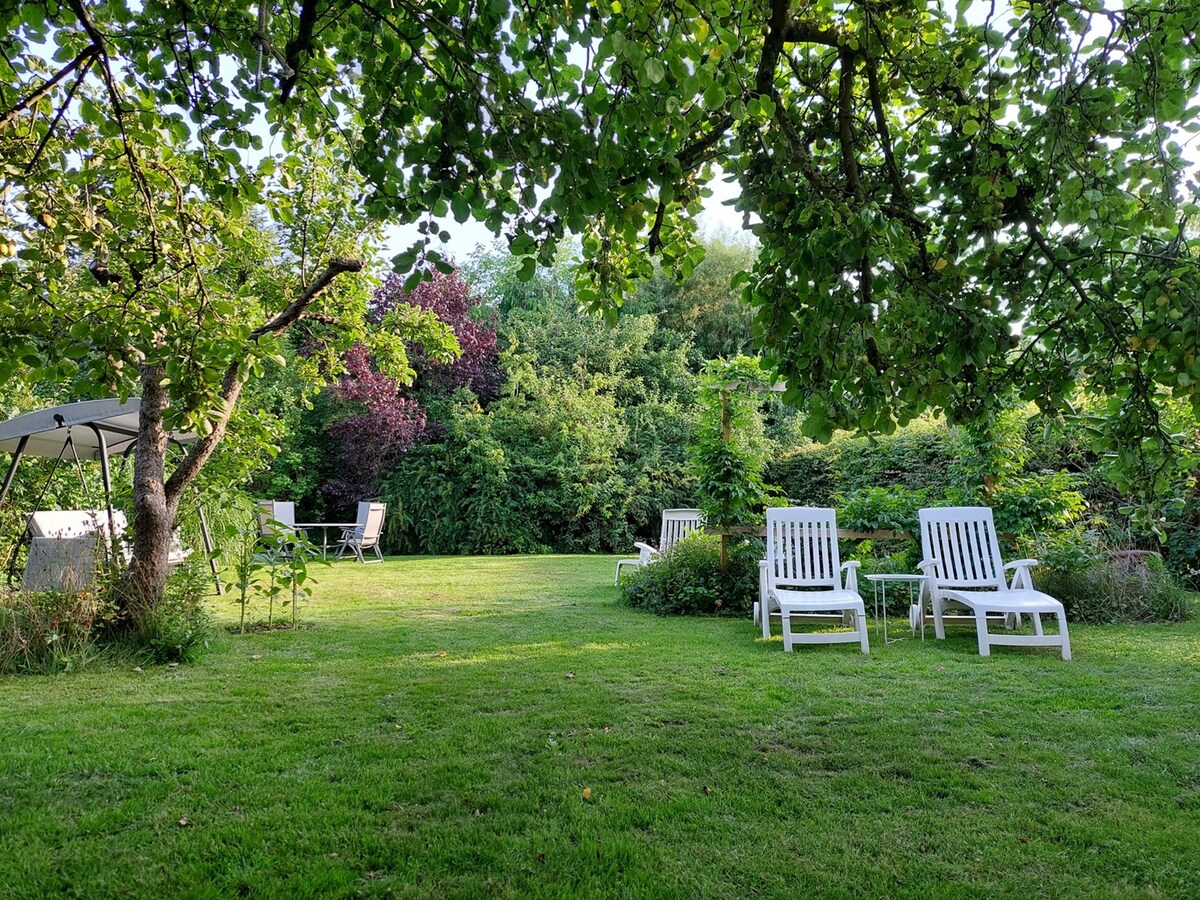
(1183, 542)
(50, 631)
(1113, 591)
(687, 580)
(1097, 582)
(883, 508)
(179, 625)
(581, 454)
(921, 457)
(529, 475)
(1036, 503)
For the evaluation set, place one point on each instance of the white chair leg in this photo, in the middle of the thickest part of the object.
(939, 627)
(786, 621)
(863, 642)
(1062, 632)
(617, 578)
(1037, 623)
(982, 632)
(762, 609)
(1012, 621)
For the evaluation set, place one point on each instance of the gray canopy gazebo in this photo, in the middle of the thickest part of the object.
(88, 429)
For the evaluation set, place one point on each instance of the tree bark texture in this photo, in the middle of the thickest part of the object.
(141, 585)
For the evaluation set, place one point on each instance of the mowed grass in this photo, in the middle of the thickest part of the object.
(435, 729)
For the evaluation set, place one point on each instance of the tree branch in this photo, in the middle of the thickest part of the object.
(114, 96)
(231, 384)
(845, 113)
(62, 110)
(337, 266)
(86, 56)
(798, 31)
(885, 136)
(654, 242)
(299, 47)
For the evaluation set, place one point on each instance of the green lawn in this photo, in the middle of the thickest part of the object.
(433, 733)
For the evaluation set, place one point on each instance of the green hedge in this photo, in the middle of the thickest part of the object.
(919, 458)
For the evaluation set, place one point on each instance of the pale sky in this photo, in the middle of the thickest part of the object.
(464, 238)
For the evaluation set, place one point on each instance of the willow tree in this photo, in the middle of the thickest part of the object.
(951, 208)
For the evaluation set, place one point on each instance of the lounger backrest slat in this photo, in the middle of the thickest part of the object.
(802, 548)
(963, 541)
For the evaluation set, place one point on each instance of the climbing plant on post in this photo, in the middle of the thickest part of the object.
(727, 451)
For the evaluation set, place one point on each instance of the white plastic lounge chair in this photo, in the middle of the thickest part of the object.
(964, 570)
(802, 579)
(676, 525)
(365, 535)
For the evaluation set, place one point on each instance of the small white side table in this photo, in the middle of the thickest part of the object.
(916, 609)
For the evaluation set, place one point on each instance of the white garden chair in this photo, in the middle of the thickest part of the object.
(366, 534)
(801, 579)
(277, 529)
(676, 525)
(964, 570)
(276, 515)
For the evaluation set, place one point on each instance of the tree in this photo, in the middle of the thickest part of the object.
(945, 206)
(373, 418)
(704, 307)
(449, 297)
(130, 271)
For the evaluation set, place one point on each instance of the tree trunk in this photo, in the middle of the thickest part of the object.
(156, 497)
(141, 586)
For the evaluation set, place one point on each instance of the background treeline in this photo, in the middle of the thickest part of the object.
(554, 432)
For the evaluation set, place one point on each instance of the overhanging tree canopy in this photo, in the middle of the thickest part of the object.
(953, 204)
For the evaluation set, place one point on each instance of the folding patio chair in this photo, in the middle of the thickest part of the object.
(276, 515)
(365, 535)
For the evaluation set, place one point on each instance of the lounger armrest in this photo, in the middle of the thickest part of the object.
(851, 579)
(1022, 564)
(928, 565)
(647, 552)
(1022, 579)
